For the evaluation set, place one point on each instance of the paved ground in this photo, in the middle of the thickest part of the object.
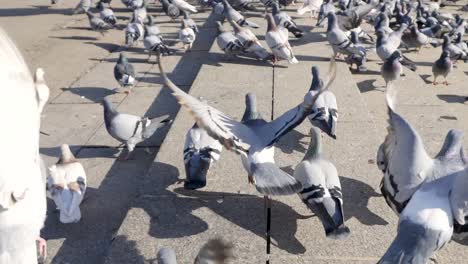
(133, 208)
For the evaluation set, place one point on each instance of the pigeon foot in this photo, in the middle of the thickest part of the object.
(41, 245)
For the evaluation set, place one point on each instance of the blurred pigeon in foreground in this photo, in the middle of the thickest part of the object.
(442, 67)
(391, 68)
(129, 129)
(67, 185)
(124, 73)
(311, 6)
(321, 188)
(278, 42)
(325, 111)
(253, 138)
(42, 90)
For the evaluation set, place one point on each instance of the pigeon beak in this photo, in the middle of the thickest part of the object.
(196, 170)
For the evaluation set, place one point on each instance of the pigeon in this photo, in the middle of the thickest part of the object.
(82, 7)
(340, 43)
(186, 35)
(42, 90)
(442, 67)
(96, 23)
(215, 251)
(190, 22)
(278, 42)
(385, 48)
(106, 14)
(200, 151)
(326, 8)
(406, 164)
(460, 43)
(242, 5)
(139, 15)
(127, 3)
(311, 6)
(67, 186)
(124, 73)
(321, 188)
(382, 23)
(455, 53)
(136, 4)
(253, 138)
(249, 41)
(152, 28)
(391, 68)
(416, 39)
(129, 129)
(108, 2)
(357, 58)
(227, 42)
(22, 171)
(133, 32)
(231, 14)
(155, 45)
(284, 20)
(352, 17)
(170, 9)
(184, 6)
(325, 111)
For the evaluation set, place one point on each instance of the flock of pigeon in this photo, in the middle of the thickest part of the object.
(429, 194)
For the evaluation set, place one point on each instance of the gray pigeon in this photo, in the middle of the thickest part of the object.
(358, 59)
(231, 14)
(170, 9)
(337, 38)
(249, 41)
(284, 20)
(326, 8)
(152, 28)
(166, 256)
(215, 251)
(124, 73)
(129, 129)
(278, 42)
(253, 138)
(416, 39)
(242, 5)
(228, 42)
(391, 68)
(321, 188)
(200, 151)
(133, 32)
(385, 48)
(460, 43)
(82, 7)
(455, 53)
(325, 111)
(190, 22)
(106, 14)
(96, 23)
(442, 67)
(405, 162)
(155, 45)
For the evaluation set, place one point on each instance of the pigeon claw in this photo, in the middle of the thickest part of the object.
(41, 245)
(251, 179)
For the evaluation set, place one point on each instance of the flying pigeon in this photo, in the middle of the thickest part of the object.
(106, 14)
(442, 67)
(200, 151)
(184, 6)
(231, 14)
(321, 188)
(226, 41)
(253, 138)
(82, 7)
(391, 68)
(249, 41)
(96, 23)
(133, 32)
(67, 186)
(325, 111)
(124, 73)
(42, 90)
(129, 129)
(406, 164)
(22, 171)
(278, 42)
(170, 9)
(155, 45)
(186, 35)
(284, 20)
(337, 38)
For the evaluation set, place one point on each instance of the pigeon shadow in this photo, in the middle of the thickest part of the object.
(425, 78)
(132, 255)
(75, 149)
(367, 85)
(452, 98)
(95, 94)
(356, 195)
(110, 47)
(292, 142)
(33, 11)
(76, 38)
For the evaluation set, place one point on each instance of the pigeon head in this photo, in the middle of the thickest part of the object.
(100, 6)
(444, 54)
(332, 23)
(122, 58)
(317, 83)
(251, 112)
(66, 156)
(271, 22)
(396, 55)
(275, 9)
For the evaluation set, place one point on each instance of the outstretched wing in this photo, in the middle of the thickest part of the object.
(229, 132)
(459, 198)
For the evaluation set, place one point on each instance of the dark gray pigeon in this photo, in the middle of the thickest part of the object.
(253, 138)
(170, 9)
(321, 188)
(284, 20)
(231, 14)
(337, 38)
(455, 53)
(325, 111)
(96, 23)
(124, 73)
(129, 129)
(391, 68)
(442, 67)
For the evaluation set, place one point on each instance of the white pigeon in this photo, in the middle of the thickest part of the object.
(42, 90)
(184, 6)
(186, 35)
(22, 174)
(278, 42)
(67, 186)
(312, 6)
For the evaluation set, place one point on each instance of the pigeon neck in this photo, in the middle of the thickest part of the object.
(315, 146)
(331, 22)
(271, 23)
(275, 8)
(67, 156)
(251, 112)
(317, 83)
(109, 112)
